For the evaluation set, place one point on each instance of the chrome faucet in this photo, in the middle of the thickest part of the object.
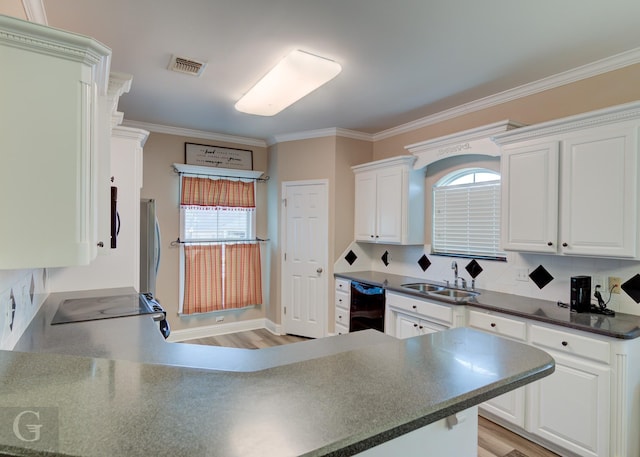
(454, 267)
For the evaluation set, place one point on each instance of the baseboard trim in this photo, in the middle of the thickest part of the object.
(223, 329)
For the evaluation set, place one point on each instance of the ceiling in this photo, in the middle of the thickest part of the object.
(401, 60)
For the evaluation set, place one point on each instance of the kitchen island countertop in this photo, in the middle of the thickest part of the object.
(354, 392)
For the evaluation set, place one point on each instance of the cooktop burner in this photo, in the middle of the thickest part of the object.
(95, 308)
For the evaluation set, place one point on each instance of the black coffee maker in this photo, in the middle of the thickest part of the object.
(581, 294)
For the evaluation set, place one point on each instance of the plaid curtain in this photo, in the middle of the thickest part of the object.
(217, 192)
(242, 279)
(219, 277)
(202, 279)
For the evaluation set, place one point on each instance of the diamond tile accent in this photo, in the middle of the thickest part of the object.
(473, 268)
(632, 288)
(424, 262)
(350, 257)
(541, 277)
(12, 300)
(385, 258)
(32, 289)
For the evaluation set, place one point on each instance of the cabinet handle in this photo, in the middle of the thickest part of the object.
(100, 244)
(565, 343)
(340, 300)
(377, 236)
(564, 245)
(414, 306)
(493, 324)
(421, 327)
(550, 243)
(371, 236)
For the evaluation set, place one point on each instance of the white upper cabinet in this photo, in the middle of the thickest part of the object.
(51, 85)
(530, 197)
(570, 187)
(389, 202)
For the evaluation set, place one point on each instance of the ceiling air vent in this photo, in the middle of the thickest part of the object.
(186, 65)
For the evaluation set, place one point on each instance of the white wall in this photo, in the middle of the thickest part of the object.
(29, 290)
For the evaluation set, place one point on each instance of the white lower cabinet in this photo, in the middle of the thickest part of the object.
(342, 305)
(406, 316)
(571, 407)
(407, 326)
(510, 406)
(588, 407)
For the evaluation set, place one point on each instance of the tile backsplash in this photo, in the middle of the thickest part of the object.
(512, 276)
(22, 292)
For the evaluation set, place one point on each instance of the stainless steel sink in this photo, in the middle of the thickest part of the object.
(456, 294)
(423, 287)
(440, 292)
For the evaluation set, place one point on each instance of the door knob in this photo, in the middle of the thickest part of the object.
(319, 270)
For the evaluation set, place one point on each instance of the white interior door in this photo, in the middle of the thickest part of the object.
(304, 258)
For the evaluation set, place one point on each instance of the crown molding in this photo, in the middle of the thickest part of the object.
(130, 133)
(320, 133)
(157, 128)
(615, 114)
(598, 67)
(34, 10)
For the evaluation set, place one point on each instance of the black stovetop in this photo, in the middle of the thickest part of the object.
(96, 308)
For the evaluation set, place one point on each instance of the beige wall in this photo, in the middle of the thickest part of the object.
(609, 89)
(349, 152)
(160, 182)
(327, 158)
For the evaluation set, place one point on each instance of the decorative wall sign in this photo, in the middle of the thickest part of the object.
(216, 156)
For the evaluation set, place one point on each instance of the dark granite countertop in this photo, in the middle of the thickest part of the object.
(621, 326)
(354, 392)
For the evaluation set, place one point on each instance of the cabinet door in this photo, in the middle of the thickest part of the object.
(406, 326)
(530, 197)
(599, 193)
(571, 406)
(389, 198)
(365, 206)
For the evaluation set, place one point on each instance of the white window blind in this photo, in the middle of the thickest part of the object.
(217, 224)
(466, 220)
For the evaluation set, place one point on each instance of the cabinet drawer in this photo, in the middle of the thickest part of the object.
(429, 310)
(343, 285)
(342, 316)
(497, 324)
(570, 343)
(342, 299)
(341, 329)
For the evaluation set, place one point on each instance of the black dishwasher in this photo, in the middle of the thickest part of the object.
(367, 307)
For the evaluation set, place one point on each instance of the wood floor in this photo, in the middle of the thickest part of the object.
(493, 440)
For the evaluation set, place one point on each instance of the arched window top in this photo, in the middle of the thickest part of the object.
(468, 176)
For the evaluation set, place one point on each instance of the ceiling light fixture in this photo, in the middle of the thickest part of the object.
(295, 76)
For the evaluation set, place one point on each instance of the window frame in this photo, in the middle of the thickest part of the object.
(446, 181)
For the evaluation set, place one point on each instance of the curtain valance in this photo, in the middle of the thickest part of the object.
(217, 192)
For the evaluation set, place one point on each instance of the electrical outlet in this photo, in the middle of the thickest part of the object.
(614, 284)
(219, 318)
(522, 274)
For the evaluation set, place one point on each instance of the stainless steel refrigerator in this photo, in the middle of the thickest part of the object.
(149, 246)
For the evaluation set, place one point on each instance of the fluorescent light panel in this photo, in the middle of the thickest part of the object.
(295, 76)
